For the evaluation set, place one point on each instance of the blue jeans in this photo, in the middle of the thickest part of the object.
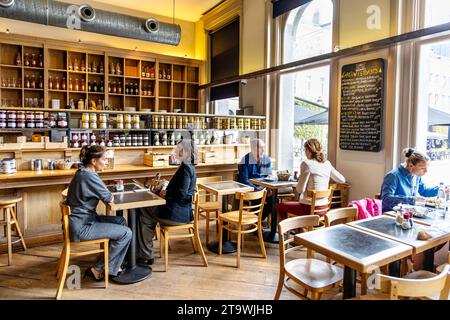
(115, 229)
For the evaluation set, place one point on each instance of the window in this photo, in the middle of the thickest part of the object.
(436, 12)
(304, 95)
(433, 134)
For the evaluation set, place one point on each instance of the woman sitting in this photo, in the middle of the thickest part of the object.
(85, 191)
(404, 184)
(315, 173)
(178, 207)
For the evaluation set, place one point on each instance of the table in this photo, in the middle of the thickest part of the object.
(385, 226)
(224, 189)
(356, 249)
(433, 216)
(272, 235)
(130, 200)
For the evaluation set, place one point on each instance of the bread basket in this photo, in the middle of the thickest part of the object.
(63, 165)
(283, 176)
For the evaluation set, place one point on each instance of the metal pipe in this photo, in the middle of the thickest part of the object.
(86, 18)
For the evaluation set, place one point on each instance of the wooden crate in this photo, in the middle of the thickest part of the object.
(156, 159)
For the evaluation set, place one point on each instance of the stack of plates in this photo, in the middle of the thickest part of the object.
(7, 166)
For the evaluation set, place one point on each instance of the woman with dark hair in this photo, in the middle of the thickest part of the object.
(178, 207)
(85, 191)
(315, 174)
(404, 184)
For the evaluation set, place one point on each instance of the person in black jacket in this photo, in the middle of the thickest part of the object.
(178, 207)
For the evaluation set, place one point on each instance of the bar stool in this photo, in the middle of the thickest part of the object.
(7, 205)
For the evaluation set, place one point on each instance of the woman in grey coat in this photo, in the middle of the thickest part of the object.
(85, 191)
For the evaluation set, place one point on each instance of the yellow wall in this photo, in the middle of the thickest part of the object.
(353, 28)
(186, 48)
(253, 35)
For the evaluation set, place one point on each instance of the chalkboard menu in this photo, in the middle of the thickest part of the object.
(362, 104)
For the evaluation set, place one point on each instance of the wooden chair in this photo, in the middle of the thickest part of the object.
(64, 193)
(318, 195)
(313, 275)
(193, 234)
(248, 216)
(339, 198)
(391, 288)
(68, 245)
(7, 205)
(211, 205)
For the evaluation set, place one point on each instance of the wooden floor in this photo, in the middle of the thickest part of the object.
(32, 275)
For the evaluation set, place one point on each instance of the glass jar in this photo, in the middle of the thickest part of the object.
(11, 115)
(136, 125)
(20, 124)
(103, 125)
(103, 117)
(128, 142)
(84, 125)
(2, 123)
(167, 122)
(62, 121)
(93, 125)
(119, 118)
(93, 117)
(179, 122)
(127, 125)
(128, 118)
(39, 115)
(85, 117)
(12, 124)
(2, 114)
(30, 124)
(174, 122)
(119, 125)
(155, 122)
(21, 115)
(39, 124)
(134, 141)
(146, 140)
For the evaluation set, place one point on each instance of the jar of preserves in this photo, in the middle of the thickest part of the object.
(11, 115)
(140, 140)
(128, 118)
(119, 125)
(30, 124)
(62, 121)
(12, 124)
(93, 125)
(136, 125)
(2, 115)
(136, 118)
(174, 122)
(109, 143)
(127, 125)
(84, 125)
(20, 124)
(233, 123)
(103, 125)
(103, 117)
(185, 123)
(51, 121)
(84, 136)
(246, 124)
(167, 122)
(128, 142)
(263, 123)
(93, 117)
(39, 115)
(179, 122)
(155, 122)
(146, 140)
(119, 118)
(75, 144)
(39, 124)
(85, 117)
(20, 115)
(134, 141)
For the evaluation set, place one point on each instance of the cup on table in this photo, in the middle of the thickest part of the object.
(118, 185)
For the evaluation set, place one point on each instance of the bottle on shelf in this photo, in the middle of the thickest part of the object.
(102, 88)
(33, 81)
(101, 68)
(27, 81)
(41, 82)
(77, 84)
(127, 91)
(63, 84)
(33, 60)
(152, 72)
(119, 88)
(94, 86)
(109, 87)
(83, 85)
(168, 76)
(50, 83)
(70, 84)
(143, 73)
(118, 69)
(83, 66)
(26, 60)
(57, 83)
(76, 66)
(90, 66)
(41, 61)
(163, 74)
(18, 59)
(114, 87)
(89, 86)
(112, 69)
(70, 66)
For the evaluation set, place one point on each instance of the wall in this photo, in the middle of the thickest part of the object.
(186, 48)
(253, 35)
(353, 29)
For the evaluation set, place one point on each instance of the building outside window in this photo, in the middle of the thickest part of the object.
(304, 95)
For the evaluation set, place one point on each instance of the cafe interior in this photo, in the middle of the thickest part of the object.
(225, 149)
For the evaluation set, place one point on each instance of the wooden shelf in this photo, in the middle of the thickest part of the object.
(54, 90)
(10, 66)
(57, 70)
(10, 88)
(34, 68)
(95, 74)
(33, 89)
(116, 94)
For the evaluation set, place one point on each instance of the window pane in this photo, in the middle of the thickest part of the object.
(308, 31)
(304, 103)
(433, 134)
(436, 12)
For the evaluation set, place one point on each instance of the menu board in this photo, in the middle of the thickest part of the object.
(362, 104)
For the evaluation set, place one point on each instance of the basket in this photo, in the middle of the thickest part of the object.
(63, 165)
(283, 176)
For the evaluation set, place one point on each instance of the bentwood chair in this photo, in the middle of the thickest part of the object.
(313, 275)
(210, 205)
(67, 253)
(7, 205)
(391, 288)
(244, 221)
(193, 234)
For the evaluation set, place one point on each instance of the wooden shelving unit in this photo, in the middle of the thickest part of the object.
(67, 75)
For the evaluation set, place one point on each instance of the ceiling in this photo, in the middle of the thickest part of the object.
(190, 10)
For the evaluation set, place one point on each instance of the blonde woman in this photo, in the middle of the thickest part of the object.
(404, 184)
(315, 174)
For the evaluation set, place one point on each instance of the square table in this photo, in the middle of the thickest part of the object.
(272, 235)
(224, 189)
(385, 226)
(356, 249)
(130, 200)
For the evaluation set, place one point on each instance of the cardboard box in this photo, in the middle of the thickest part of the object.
(156, 159)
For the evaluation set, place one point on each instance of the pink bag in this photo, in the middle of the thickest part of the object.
(367, 208)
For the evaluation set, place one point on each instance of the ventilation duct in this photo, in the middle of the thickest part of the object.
(86, 18)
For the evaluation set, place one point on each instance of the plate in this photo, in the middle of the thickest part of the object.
(269, 180)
